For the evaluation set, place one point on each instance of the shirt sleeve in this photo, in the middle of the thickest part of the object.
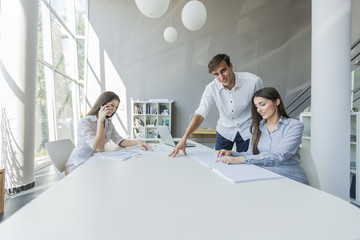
(206, 102)
(259, 84)
(115, 136)
(88, 132)
(283, 151)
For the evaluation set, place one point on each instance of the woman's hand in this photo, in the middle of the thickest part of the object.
(223, 152)
(144, 145)
(104, 110)
(232, 160)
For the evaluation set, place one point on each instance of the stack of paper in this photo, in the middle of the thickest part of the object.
(118, 155)
(232, 172)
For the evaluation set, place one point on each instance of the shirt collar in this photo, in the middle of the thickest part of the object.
(221, 87)
(282, 121)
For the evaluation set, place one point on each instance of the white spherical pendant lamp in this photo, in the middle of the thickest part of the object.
(153, 8)
(170, 34)
(193, 15)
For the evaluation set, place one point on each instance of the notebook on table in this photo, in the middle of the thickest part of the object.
(166, 137)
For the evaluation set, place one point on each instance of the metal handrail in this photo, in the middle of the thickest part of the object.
(299, 96)
(355, 44)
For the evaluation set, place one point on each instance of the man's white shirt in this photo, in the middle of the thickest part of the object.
(234, 105)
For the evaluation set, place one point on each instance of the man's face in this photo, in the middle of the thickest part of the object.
(225, 75)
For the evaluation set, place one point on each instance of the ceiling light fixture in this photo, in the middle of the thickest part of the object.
(193, 15)
(153, 8)
(170, 33)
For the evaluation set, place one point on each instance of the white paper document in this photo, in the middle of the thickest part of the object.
(157, 148)
(118, 155)
(233, 172)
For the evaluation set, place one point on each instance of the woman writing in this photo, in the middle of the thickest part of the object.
(276, 138)
(96, 129)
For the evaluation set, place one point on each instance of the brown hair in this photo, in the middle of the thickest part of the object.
(104, 98)
(271, 94)
(215, 61)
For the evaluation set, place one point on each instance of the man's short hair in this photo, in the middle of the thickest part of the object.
(215, 61)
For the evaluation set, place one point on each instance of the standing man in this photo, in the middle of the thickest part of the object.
(232, 93)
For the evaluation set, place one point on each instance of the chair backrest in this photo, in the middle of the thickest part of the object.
(59, 152)
(309, 167)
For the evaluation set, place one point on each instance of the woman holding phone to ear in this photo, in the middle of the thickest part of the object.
(96, 129)
(275, 140)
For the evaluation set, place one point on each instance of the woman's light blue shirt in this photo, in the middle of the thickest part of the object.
(279, 150)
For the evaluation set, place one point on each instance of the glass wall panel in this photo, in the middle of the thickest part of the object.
(40, 48)
(44, 33)
(82, 100)
(63, 107)
(81, 58)
(65, 10)
(63, 48)
(80, 16)
(61, 74)
(41, 115)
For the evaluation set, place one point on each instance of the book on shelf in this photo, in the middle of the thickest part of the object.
(164, 109)
(151, 122)
(138, 109)
(150, 109)
(138, 122)
(136, 131)
(165, 122)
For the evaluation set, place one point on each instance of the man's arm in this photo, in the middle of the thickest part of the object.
(194, 124)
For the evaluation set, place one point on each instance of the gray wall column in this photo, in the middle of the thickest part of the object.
(330, 94)
(18, 49)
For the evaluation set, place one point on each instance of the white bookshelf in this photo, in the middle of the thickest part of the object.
(146, 115)
(354, 161)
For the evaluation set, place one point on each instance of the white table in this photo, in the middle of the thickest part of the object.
(157, 197)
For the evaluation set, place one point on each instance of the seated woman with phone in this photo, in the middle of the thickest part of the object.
(96, 129)
(275, 140)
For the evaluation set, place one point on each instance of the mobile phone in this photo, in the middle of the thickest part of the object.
(105, 105)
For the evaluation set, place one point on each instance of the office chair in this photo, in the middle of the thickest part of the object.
(307, 163)
(59, 152)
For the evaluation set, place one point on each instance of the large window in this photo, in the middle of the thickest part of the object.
(61, 71)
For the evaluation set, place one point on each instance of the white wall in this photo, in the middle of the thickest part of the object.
(355, 20)
(128, 54)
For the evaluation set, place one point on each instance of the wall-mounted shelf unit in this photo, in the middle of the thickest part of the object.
(146, 115)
